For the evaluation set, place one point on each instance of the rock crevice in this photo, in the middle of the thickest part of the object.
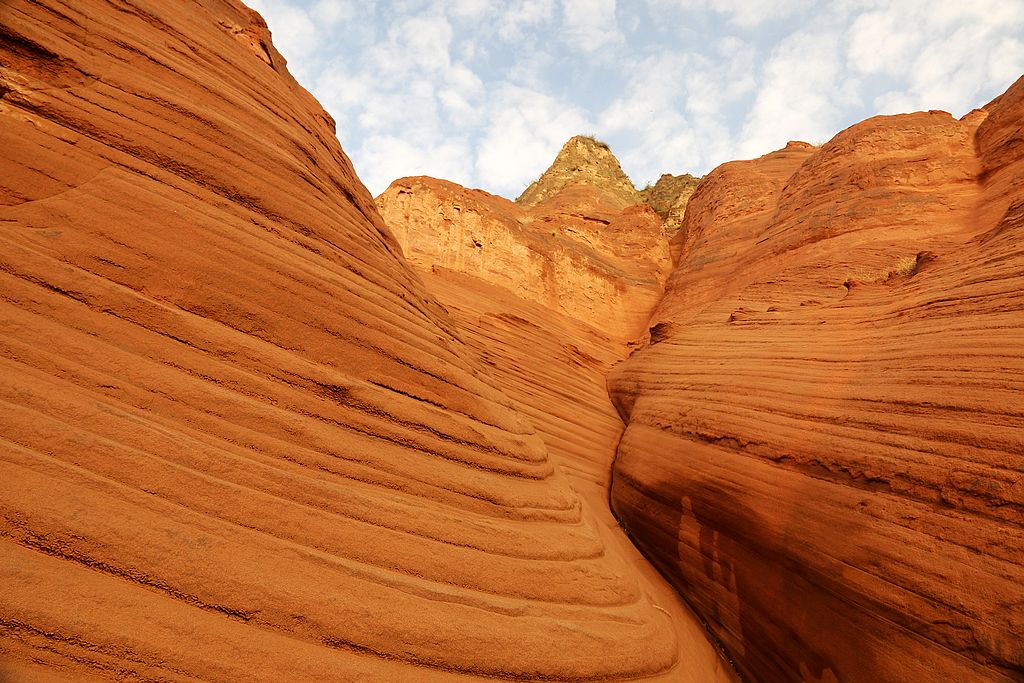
(240, 439)
(256, 425)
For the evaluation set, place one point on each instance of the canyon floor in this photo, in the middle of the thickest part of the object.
(256, 424)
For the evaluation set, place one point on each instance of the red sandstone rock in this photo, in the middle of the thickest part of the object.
(553, 367)
(548, 297)
(581, 251)
(240, 439)
(825, 440)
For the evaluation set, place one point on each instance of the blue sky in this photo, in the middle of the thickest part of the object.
(484, 93)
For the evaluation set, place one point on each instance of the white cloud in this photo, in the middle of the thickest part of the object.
(673, 115)
(745, 14)
(802, 95)
(461, 96)
(942, 54)
(471, 10)
(717, 82)
(390, 157)
(526, 130)
(650, 113)
(418, 42)
(590, 25)
(292, 29)
(332, 12)
(485, 93)
(521, 16)
(881, 43)
(1005, 62)
(748, 14)
(342, 93)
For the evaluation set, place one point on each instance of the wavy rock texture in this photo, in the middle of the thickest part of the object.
(825, 440)
(533, 292)
(553, 368)
(240, 440)
(580, 252)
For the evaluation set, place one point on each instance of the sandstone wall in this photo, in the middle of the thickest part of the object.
(239, 440)
(825, 440)
(575, 253)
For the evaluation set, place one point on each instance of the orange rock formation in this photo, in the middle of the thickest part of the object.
(581, 252)
(245, 437)
(549, 296)
(669, 197)
(241, 440)
(583, 160)
(825, 439)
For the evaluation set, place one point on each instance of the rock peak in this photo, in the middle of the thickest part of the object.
(669, 196)
(582, 160)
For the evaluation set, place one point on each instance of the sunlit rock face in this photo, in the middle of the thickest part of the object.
(579, 252)
(669, 197)
(583, 160)
(241, 439)
(257, 425)
(825, 434)
(550, 298)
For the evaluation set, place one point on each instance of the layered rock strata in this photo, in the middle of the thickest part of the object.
(549, 296)
(825, 440)
(580, 252)
(240, 439)
(553, 367)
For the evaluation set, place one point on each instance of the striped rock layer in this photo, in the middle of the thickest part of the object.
(239, 439)
(581, 252)
(825, 440)
(550, 298)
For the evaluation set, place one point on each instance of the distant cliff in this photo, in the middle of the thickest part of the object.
(669, 197)
(583, 160)
(588, 249)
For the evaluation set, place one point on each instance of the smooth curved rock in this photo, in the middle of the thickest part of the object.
(825, 440)
(240, 440)
(519, 286)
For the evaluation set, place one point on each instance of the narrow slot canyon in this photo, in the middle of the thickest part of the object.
(766, 425)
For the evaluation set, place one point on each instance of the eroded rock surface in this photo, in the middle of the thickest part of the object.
(240, 439)
(669, 197)
(581, 251)
(535, 293)
(825, 440)
(583, 160)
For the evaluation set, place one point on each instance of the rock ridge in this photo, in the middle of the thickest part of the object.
(240, 439)
(825, 425)
(583, 160)
(576, 252)
(669, 196)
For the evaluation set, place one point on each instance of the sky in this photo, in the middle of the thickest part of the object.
(484, 93)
